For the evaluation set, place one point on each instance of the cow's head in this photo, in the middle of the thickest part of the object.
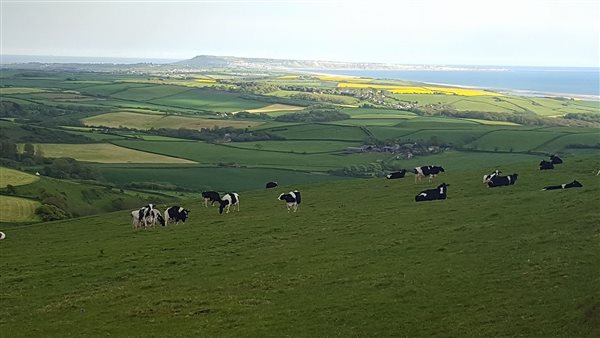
(441, 169)
(576, 184)
(185, 214)
(222, 205)
(161, 220)
(281, 197)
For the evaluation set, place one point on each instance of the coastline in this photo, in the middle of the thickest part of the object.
(516, 92)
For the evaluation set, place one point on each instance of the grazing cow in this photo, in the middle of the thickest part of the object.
(429, 170)
(292, 200)
(574, 184)
(147, 216)
(555, 159)
(176, 214)
(210, 196)
(487, 178)
(498, 181)
(271, 185)
(438, 193)
(228, 200)
(545, 165)
(397, 174)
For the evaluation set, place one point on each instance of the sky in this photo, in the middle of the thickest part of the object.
(460, 32)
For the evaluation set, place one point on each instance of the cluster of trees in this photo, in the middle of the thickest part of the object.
(256, 87)
(314, 115)
(63, 167)
(374, 169)
(253, 116)
(530, 118)
(587, 117)
(315, 97)
(217, 135)
(54, 115)
(34, 134)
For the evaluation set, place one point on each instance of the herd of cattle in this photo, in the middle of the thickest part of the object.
(150, 216)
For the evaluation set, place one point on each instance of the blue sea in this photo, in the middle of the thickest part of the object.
(555, 80)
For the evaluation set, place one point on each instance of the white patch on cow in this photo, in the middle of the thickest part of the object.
(441, 190)
(563, 185)
(2, 235)
(509, 179)
(180, 209)
(293, 195)
(423, 194)
(389, 176)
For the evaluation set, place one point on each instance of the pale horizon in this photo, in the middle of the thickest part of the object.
(530, 33)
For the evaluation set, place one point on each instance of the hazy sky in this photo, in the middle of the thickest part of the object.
(507, 32)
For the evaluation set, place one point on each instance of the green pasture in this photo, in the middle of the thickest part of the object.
(209, 100)
(513, 140)
(147, 121)
(319, 132)
(560, 143)
(503, 262)
(105, 153)
(215, 178)
(15, 177)
(150, 92)
(215, 154)
(16, 209)
(297, 146)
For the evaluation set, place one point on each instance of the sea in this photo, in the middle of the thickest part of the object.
(524, 80)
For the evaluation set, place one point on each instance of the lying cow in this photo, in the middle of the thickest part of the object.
(545, 165)
(499, 181)
(228, 200)
(429, 170)
(574, 184)
(292, 200)
(487, 178)
(397, 174)
(176, 214)
(555, 159)
(270, 185)
(439, 193)
(210, 196)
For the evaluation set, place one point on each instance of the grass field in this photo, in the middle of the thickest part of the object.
(105, 153)
(500, 262)
(210, 101)
(16, 209)
(15, 177)
(219, 179)
(213, 154)
(147, 121)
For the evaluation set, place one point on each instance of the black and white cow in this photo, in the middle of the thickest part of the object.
(574, 184)
(545, 165)
(146, 215)
(439, 193)
(271, 185)
(397, 174)
(210, 196)
(429, 170)
(498, 181)
(2, 235)
(487, 178)
(176, 214)
(555, 159)
(292, 200)
(228, 200)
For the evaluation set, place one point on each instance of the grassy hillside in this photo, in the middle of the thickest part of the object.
(15, 177)
(360, 258)
(15, 209)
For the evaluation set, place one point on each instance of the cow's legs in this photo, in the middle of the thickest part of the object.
(238, 205)
(295, 207)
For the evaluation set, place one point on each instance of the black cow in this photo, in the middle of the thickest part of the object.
(498, 181)
(397, 174)
(292, 200)
(210, 196)
(555, 159)
(176, 214)
(429, 170)
(228, 200)
(487, 178)
(271, 185)
(545, 165)
(574, 184)
(439, 193)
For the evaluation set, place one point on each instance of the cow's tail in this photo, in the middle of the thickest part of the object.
(298, 197)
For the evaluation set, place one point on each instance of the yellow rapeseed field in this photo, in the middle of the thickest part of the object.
(288, 77)
(205, 80)
(421, 90)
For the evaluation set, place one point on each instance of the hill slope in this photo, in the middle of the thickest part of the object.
(360, 258)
